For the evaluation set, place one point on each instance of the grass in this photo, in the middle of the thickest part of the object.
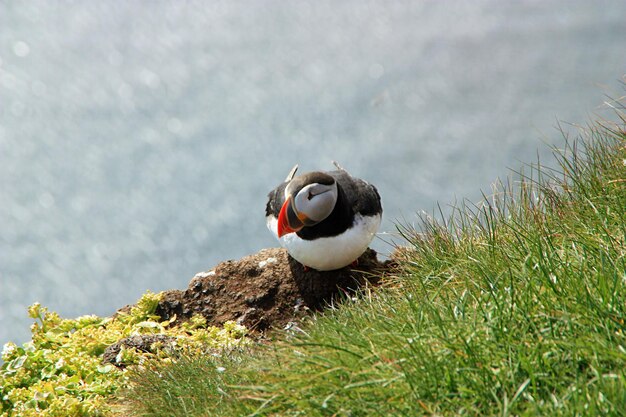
(513, 306)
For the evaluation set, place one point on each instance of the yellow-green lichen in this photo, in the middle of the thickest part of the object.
(60, 371)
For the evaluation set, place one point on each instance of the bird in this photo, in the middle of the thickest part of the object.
(325, 220)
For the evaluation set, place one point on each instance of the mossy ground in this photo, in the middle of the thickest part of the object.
(60, 372)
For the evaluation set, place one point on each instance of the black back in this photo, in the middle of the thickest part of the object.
(353, 196)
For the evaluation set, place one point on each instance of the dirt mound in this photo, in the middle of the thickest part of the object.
(266, 290)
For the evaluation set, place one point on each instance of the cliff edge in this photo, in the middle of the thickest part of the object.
(266, 290)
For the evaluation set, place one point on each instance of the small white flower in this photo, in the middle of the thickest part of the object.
(59, 364)
(8, 349)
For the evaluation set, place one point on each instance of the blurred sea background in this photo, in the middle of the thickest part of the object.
(138, 140)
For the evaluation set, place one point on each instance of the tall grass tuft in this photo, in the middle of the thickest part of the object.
(512, 306)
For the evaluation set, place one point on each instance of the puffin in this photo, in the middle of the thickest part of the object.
(325, 220)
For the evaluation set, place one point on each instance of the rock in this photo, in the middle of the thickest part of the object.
(266, 290)
(143, 343)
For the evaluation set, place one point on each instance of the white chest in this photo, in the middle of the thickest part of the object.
(328, 253)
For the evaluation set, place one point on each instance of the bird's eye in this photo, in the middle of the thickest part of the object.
(310, 195)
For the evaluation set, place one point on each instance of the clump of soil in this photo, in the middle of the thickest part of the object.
(266, 290)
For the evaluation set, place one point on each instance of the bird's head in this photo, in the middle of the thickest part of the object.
(309, 199)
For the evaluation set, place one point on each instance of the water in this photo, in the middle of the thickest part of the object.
(137, 143)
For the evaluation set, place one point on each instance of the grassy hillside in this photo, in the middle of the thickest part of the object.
(513, 306)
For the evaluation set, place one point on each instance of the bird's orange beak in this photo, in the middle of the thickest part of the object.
(288, 220)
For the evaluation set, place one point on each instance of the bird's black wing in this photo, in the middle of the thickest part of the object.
(362, 196)
(275, 200)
